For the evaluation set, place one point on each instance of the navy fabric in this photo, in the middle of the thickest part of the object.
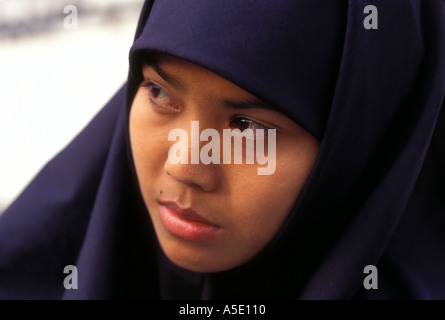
(374, 197)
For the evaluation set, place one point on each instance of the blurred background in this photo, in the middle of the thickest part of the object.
(55, 76)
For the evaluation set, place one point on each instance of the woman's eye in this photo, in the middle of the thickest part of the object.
(243, 124)
(159, 96)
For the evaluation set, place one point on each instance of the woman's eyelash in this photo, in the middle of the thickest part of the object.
(244, 123)
(155, 91)
(159, 96)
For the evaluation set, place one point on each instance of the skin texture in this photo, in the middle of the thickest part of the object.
(247, 209)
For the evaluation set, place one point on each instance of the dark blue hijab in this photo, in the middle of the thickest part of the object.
(375, 196)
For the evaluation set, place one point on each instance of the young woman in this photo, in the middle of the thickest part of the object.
(146, 202)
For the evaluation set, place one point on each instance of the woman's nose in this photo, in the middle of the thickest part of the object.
(203, 176)
(183, 166)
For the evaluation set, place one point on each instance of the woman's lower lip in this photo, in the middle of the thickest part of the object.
(186, 229)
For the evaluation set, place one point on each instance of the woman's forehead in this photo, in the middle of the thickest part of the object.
(186, 76)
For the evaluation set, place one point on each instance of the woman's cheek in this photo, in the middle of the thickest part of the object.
(273, 196)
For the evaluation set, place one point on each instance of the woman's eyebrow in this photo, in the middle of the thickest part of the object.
(254, 103)
(164, 75)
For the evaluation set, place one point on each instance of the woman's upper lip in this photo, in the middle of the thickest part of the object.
(186, 213)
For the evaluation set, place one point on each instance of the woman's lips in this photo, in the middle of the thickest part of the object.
(186, 223)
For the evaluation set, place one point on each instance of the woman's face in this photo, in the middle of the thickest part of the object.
(212, 217)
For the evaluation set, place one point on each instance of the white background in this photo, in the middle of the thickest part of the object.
(54, 80)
